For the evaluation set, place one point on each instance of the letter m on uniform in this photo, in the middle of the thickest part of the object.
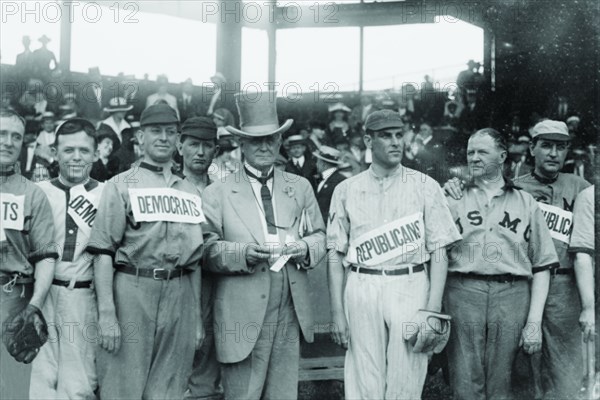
(507, 223)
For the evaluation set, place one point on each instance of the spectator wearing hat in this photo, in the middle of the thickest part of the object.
(148, 241)
(328, 162)
(228, 158)
(24, 63)
(93, 96)
(198, 147)
(163, 94)
(216, 101)
(352, 166)
(338, 122)
(188, 104)
(300, 162)
(316, 135)
(107, 165)
(267, 223)
(46, 137)
(43, 58)
(33, 102)
(361, 112)
(117, 108)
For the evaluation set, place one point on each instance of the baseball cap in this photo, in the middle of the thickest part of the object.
(158, 114)
(551, 130)
(383, 119)
(202, 128)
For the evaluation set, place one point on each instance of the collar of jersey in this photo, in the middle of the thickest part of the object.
(543, 179)
(508, 184)
(91, 184)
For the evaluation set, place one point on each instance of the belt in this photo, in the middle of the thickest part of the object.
(159, 274)
(78, 284)
(17, 277)
(562, 271)
(388, 272)
(501, 278)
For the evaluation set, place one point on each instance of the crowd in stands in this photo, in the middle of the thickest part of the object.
(437, 124)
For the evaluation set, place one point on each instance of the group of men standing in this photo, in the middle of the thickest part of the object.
(162, 285)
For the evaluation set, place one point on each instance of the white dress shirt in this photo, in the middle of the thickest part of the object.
(326, 175)
(299, 162)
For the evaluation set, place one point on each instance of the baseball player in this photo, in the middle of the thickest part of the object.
(198, 146)
(148, 222)
(505, 244)
(558, 370)
(389, 227)
(65, 367)
(26, 248)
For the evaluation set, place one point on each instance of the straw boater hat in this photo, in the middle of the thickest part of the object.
(329, 154)
(258, 116)
(117, 104)
(295, 139)
(44, 39)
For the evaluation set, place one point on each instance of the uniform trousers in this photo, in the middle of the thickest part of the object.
(205, 381)
(270, 372)
(65, 368)
(487, 321)
(14, 376)
(379, 363)
(158, 325)
(558, 369)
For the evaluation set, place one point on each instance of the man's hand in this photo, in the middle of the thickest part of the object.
(25, 333)
(454, 188)
(340, 334)
(298, 250)
(429, 332)
(531, 337)
(256, 254)
(587, 323)
(110, 332)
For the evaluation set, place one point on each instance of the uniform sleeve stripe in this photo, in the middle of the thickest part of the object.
(581, 250)
(542, 268)
(96, 250)
(38, 257)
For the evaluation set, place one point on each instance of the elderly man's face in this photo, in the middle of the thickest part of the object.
(261, 152)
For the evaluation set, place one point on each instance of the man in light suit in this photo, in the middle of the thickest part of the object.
(272, 232)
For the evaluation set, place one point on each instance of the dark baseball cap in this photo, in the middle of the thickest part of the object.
(159, 114)
(202, 128)
(383, 119)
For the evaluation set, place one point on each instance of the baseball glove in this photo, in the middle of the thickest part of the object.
(25, 333)
(429, 333)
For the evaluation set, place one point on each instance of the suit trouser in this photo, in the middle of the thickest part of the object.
(380, 364)
(271, 369)
(558, 369)
(205, 381)
(14, 376)
(158, 325)
(65, 368)
(487, 321)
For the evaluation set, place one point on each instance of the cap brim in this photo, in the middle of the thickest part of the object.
(554, 136)
(283, 128)
(385, 125)
(112, 110)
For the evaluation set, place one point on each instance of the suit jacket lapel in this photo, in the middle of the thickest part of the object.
(244, 204)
